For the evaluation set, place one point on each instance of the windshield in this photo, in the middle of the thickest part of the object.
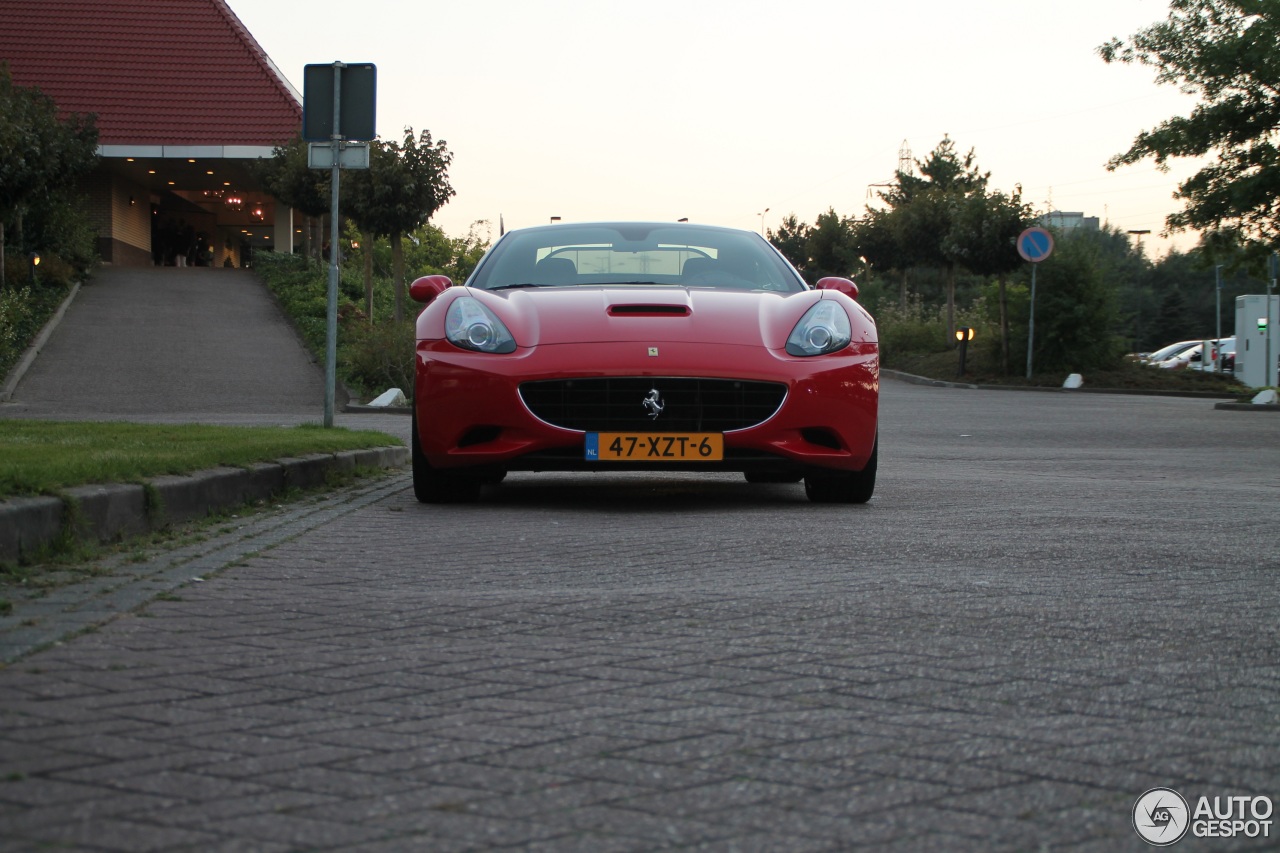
(660, 255)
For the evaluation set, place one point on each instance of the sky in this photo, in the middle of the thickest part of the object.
(740, 112)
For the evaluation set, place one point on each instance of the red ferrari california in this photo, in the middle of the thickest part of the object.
(643, 346)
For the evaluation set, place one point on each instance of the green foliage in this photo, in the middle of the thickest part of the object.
(39, 153)
(1224, 52)
(911, 328)
(791, 240)
(16, 311)
(375, 358)
(23, 313)
(917, 327)
(1076, 310)
(404, 185)
(288, 177)
(41, 157)
(375, 352)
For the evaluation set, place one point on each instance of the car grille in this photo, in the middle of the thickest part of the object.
(618, 404)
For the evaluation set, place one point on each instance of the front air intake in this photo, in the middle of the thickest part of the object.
(683, 405)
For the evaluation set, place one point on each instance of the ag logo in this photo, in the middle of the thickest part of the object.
(1161, 817)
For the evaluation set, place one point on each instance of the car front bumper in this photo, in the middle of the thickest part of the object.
(470, 412)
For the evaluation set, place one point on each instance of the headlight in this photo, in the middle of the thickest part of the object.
(472, 326)
(824, 328)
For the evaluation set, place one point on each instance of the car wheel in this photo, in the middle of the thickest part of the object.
(433, 486)
(763, 477)
(844, 488)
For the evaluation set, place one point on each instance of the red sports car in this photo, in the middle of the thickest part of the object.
(643, 346)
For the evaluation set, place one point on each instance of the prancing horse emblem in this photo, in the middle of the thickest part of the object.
(653, 404)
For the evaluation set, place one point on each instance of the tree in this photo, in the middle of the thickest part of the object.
(922, 209)
(878, 246)
(404, 185)
(40, 154)
(791, 239)
(289, 177)
(1076, 307)
(1228, 53)
(983, 237)
(829, 247)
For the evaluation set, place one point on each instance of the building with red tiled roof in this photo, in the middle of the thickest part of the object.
(184, 98)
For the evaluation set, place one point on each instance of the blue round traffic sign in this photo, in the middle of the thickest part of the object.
(1035, 244)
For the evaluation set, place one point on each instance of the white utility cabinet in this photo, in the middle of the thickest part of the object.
(1257, 322)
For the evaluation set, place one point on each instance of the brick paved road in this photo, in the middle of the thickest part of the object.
(1054, 603)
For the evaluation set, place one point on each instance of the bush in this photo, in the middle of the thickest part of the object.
(914, 327)
(918, 328)
(375, 358)
(371, 357)
(23, 312)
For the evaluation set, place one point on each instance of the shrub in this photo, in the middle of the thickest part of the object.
(23, 312)
(912, 328)
(375, 358)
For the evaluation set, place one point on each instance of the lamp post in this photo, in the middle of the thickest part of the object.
(555, 219)
(963, 336)
(34, 258)
(766, 210)
(1217, 272)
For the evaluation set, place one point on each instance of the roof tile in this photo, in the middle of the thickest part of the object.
(185, 72)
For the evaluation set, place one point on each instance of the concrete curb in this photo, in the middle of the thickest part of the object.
(108, 513)
(1137, 392)
(1248, 407)
(29, 356)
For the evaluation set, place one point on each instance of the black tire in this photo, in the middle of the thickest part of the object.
(433, 486)
(845, 488)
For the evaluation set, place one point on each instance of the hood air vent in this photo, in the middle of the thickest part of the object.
(648, 310)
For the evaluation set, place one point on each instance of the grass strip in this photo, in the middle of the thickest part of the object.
(43, 457)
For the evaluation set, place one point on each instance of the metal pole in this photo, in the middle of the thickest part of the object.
(331, 316)
(1217, 272)
(1270, 372)
(1031, 322)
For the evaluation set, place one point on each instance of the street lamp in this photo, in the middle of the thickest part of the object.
(964, 334)
(555, 219)
(34, 258)
(761, 215)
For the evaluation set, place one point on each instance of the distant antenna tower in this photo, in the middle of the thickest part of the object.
(906, 166)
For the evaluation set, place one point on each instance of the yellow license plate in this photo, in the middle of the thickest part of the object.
(655, 446)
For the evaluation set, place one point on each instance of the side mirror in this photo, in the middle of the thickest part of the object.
(844, 285)
(429, 287)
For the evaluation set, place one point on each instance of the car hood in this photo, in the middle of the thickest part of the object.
(650, 314)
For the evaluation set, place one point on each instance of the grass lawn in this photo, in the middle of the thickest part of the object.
(42, 457)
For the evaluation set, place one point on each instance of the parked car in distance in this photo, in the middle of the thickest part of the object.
(1193, 357)
(1155, 358)
(1226, 352)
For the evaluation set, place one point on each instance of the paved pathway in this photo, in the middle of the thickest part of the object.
(172, 342)
(1054, 603)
